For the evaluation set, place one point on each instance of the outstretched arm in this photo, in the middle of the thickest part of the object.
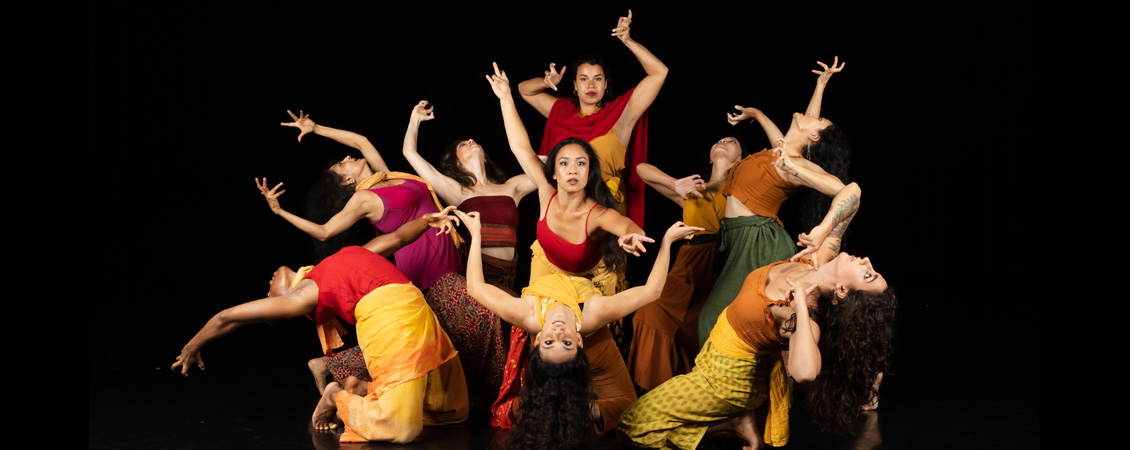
(387, 244)
(674, 189)
(511, 309)
(754, 114)
(516, 132)
(446, 187)
(822, 81)
(305, 126)
(822, 243)
(602, 310)
(363, 204)
(300, 301)
(647, 89)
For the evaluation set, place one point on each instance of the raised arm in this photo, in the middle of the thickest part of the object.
(363, 204)
(602, 310)
(822, 243)
(447, 188)
(300, 301)
(822, 81)
(305, 126)
(514, 310)
(516, 132)
(535, 90)
(647, 89)
(387, 244)
(754, 114)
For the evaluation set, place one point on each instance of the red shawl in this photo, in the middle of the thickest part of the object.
(564, 121)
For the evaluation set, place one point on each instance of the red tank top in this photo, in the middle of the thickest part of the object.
(567, 256)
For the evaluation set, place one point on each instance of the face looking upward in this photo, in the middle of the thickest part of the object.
(810, 126)
(851, 273)
(281, 281)
(726, 150)
(469, 153)
(351, 170)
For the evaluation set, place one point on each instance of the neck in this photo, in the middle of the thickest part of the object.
(589, 108)
(479, 171)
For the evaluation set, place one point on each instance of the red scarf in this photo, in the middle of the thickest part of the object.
(565, 121)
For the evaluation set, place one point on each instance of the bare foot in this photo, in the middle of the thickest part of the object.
(744, 426)
(325, 414)
(320, 368)
(356, 386)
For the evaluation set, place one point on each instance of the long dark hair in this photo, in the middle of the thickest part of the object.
(555, 410)
(450, 167)
(327, 197)
(855, 347)
(595, 188)
(833, 154)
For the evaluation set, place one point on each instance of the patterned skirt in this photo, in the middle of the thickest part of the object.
(476, 333)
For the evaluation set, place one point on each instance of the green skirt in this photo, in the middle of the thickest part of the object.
(750, 243)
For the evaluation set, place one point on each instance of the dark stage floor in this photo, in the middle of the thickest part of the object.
(263, 399)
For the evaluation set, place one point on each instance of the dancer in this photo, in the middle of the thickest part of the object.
(576, 231)
(467, 177)
(752, 234)
(432, 263)
(575, 382)
(665, 333)
(615, 127)
(838, 348)
(417, 377)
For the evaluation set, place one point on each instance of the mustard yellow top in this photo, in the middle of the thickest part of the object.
(559, 289)
(706, 212)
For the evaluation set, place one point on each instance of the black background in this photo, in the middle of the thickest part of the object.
(186, 101)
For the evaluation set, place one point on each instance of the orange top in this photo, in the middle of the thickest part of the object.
(749, 313)
(754, 181)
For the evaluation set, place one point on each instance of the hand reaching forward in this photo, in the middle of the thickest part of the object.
(633, 243)
(272, 194)
(678, 231)
(746, 113)
(689, 185)
(827, 72)
(442, 220)
(302, 122)
(188, 356)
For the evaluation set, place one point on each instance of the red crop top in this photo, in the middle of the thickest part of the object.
(567, 256)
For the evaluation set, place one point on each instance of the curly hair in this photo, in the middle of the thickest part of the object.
(555, 407)
(327, 197)
(833, 154)
(855, 347)
(450, 167)
(614, 257)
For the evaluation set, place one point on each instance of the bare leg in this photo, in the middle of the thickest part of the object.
(325, 414)
(356, 386)
(320, 368)
(744, 426)
(874, 404)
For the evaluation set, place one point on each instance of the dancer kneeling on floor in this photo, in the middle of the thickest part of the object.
(417, 376)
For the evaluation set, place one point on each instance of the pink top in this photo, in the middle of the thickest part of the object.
(567, 256)
(430, 256)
